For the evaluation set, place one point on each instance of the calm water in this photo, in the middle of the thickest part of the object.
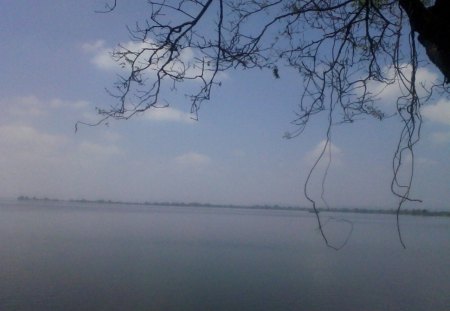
(60, 256)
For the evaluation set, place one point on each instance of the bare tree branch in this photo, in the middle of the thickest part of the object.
(340, 48)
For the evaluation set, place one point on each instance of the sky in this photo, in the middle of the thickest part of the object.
(54, 71)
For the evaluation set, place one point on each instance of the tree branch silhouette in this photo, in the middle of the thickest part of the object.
(339, 48)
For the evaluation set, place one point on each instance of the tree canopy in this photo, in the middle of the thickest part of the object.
(340, 49)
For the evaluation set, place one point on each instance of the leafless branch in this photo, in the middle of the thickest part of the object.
(340, 48)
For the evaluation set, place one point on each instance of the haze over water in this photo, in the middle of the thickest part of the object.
(69, 256)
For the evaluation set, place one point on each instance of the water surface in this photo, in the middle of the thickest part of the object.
(69, 256)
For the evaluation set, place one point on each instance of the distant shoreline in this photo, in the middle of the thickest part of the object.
(412, 212)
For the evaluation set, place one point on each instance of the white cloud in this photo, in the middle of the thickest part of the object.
(102, 55)
(425, 161)
(93, 46)
(26, 105)
(38, 162)
(388, 94)
(192, 159)
(16, 139)
(168, 114)
(75, 105)
(31, 107)
(26, 149)
(185, 65)
(439, 112)
(336, 153)
(426, 77)
(98, 150)
(440, 137)
(418, 161)
(23, 141)
(110, 136)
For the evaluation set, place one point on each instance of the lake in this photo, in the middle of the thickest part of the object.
(72, 256)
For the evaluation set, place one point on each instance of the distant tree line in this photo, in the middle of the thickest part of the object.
(413, 212)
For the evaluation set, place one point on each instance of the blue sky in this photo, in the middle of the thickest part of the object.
(55, 67)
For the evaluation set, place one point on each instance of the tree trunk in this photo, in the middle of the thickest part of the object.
(433, 26)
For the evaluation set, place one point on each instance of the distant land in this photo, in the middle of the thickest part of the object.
(412, 212)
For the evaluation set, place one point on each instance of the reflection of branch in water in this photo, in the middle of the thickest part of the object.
(350, 231)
